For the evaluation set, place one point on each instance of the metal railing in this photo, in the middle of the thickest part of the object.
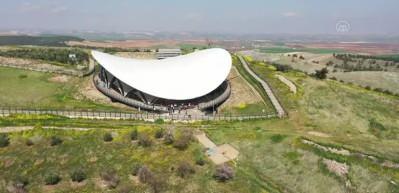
(114, 115)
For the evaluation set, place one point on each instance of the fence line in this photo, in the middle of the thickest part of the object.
(131, 116)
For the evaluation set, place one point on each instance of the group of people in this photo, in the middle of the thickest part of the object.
(178, 107)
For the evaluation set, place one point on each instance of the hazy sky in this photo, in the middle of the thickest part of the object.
(220, 16)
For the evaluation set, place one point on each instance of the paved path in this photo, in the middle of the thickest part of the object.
(218, 154)
(276, 104)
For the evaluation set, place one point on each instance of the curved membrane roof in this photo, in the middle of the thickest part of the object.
(179, 78)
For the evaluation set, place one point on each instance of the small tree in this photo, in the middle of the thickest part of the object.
(321, 74)
(134, 134)
(224, 173)
(52, 179)
(184, 169)
(55, 141)
(144, 140)
(111, 178)
(108, 137)
(159, 133)
(78, 175)
(4, 140)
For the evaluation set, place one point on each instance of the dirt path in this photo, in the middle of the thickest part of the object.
(26, 128)
(218, 154)
(287, 82)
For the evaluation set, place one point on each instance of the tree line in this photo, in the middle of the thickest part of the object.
(64, 56)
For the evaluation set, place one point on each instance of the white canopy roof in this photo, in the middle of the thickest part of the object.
(179, 78)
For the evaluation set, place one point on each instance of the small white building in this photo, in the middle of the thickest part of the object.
(168, 53)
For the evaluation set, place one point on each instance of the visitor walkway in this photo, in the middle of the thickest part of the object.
(276, 104)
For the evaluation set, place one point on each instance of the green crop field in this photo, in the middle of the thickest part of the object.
(273, 157)
(276, 50)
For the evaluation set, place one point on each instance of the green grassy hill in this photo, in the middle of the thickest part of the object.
(351, 125)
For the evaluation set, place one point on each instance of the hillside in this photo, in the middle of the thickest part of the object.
(37, 40)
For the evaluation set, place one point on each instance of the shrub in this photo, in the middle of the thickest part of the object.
(159, 121)
(78, 175)
(169, 138)
(157, 184)
(134, 134)
(29, 142)
(55, 141)
(18, 185)
(145, 175)
(125, 188)
(52, 179)
(4, 140)
(135, 169)
(159, 133)
(184, 169)
(184, 140)
(199, 157)
(108, 137)
(23, 76)
(111, 178)
(277, 138)
(224, 173)
(144, 140)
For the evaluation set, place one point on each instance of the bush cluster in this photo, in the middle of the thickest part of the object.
(108, 137)
(144, 140)
(52, 179)
(19, 185)
(4, 140)
(111, 178)
(224, 173)
(134, 134)
(55, 141)
(159, 133)
(146, 176)
(184, 140)
(184, 169)
(78, 175)
(169, 138)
